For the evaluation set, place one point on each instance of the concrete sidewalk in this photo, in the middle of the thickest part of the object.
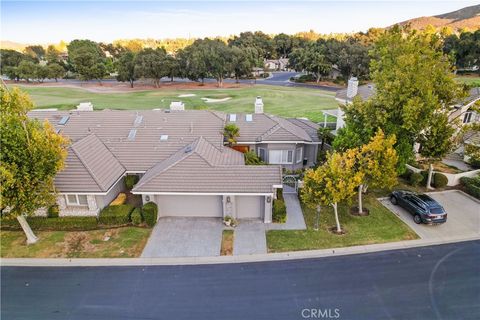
(295, 220)
(231, 259)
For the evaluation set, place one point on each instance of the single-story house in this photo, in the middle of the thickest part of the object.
(181, 159)
(276, 64)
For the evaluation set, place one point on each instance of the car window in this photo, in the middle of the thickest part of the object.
(436, 210)
(416, 202)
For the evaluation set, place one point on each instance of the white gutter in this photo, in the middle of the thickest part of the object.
(205, 193)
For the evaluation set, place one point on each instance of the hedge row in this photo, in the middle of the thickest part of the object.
(439, 180)
(111, 216)
(472, 186)
(279, 214)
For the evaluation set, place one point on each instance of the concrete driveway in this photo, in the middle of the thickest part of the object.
(463, 221)
(185, 237)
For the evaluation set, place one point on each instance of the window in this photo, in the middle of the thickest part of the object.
(233, 117)
(77, 200)
(468, 117)
(262, 154)
(132, 134)
(248, 117)
(280, 156)
(64, 120)
(298, 155)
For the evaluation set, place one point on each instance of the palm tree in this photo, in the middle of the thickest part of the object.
(231, 132)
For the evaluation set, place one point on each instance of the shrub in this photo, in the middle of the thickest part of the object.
(115, 215)
(407, 174)
(136, 216)
(53, 211)
(416, 178)
(279, 211)
(251, 158)
(439, 180)
(424, 174)
(280, 194)
(472, 186)
(58, 224)
(149, 212)
(119, 200)
(130, 181)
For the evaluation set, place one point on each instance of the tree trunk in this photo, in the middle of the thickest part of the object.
(317, 219)
(430, 174)
(335, 209)
(360, 203)
(131, 83)
(56, 80)
(31, 237)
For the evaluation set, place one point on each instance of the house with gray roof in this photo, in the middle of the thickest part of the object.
(181, 159)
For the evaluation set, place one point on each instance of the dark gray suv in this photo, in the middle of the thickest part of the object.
(423, 208)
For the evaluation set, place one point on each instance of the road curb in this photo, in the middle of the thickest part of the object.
(269, 257)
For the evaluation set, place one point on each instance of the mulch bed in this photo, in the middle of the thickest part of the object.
(354, 212)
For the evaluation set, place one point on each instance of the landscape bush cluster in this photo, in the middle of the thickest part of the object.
(471, 186)
(111, 216)
(279, 212)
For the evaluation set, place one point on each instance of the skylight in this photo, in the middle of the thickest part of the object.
(233, 117)
(64, 120)
(164, 137)
(138, 120)
(131, 134)
(248, 117)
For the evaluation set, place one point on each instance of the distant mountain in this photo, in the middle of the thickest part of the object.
(465, 18)
(5, 44)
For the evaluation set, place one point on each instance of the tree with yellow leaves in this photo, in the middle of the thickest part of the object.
(31, 153)
(377, 164)
(334, 181)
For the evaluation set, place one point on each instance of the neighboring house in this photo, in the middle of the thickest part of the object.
(276, 64)
(180, 158)
(461, 111)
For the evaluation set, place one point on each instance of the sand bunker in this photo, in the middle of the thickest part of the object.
(210, 100)
(187, 95)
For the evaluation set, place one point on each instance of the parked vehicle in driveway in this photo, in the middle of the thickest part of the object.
(423, 208)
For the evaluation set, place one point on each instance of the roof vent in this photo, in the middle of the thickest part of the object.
(132, 134)
(248, 117)
(138, 120)
(64, 120)
(233, 117)
(188, 149)
(164, 137)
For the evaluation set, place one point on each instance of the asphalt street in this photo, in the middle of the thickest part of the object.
(277, 79)
(437, 282)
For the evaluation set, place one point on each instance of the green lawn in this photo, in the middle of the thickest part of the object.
(287, 102)
(379, 227)
(469, 79)
(126, 242)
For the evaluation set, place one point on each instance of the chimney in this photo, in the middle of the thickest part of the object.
(258, 105)
(352, 88)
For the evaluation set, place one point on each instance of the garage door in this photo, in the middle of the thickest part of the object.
(189, 206)
(250, 207)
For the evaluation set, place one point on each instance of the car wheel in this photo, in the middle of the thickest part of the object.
(393, 200)
(417, 219)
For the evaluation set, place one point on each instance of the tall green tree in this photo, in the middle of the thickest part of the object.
(414, 85)
(126, 68)
(151, 64)
(231, 132)
(242, 65)
(55, 71)
(87, 59)
(31, 155)
(37, 52)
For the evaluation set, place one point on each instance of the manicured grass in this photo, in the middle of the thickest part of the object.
(469, 79)
(227, 243)
(282, 101)
(124, 242)
(379, 227)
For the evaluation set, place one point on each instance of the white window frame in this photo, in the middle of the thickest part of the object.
(283, 157)
(264, 154)
(299, 152)
(77, 203)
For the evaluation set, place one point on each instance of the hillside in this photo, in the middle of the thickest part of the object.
(465, 18)
(5, 44)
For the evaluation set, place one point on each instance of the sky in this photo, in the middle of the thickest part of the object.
(51, 21)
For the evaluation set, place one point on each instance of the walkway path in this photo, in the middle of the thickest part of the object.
(295, 220)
